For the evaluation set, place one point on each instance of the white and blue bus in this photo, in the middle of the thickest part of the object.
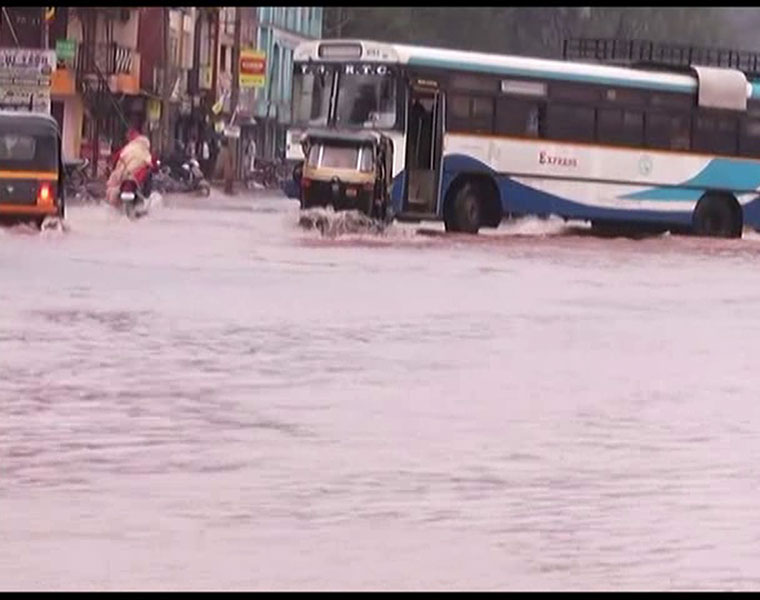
(480, 137)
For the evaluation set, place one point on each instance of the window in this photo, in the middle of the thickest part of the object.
(27, 152)
(223, 58)
(173, 49)
(290, 13)
(367, 100)
(187, 51)
(229, 20)
(667, 131)
(287, 74)
(749, 137)
(714, 134)
(316, 21)
(517, 117)
(16, 147)
(264, 37)
(574, 92)
(473, 83)
(753, 108)
(341, 157)
(470, 113)
(665, 100)
(311, 99)
(618, 126)
(571, 123)
(623, 96)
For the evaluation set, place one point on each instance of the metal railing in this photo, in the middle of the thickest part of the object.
(106, 58)
(657, 54)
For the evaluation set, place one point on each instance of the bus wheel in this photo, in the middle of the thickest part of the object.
(464, 214)
(718, 216)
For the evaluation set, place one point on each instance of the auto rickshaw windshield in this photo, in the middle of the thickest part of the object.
(27, 152)
(343, 156)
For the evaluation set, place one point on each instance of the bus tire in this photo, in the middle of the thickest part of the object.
(463, 214)
(718, 215)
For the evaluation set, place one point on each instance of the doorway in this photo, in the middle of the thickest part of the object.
(423, 149)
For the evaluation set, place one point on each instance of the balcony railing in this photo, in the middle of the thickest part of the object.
(104, 59)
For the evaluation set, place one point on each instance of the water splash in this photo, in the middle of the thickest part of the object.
(333, 224)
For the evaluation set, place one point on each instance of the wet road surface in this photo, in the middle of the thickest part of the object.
(213, 398)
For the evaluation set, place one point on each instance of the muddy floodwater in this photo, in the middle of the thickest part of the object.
(214, 398)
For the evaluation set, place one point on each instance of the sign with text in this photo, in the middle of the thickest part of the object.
(65, 51)
(25, 78)
(253, 68)
(25, 99)
(26, 63)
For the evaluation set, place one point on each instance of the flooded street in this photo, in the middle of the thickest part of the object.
(213, 398)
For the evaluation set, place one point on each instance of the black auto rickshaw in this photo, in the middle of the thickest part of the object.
(346, 170)
(31, 173)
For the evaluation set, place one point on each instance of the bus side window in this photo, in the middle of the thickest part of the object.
(482, 114)
(714, 134)
(470, 114)
(749, 137)
(518, 117)
(573, 123)
(667, 131)
(458, 113)
(618, 126)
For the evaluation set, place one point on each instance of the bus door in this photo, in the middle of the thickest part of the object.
(423, 147)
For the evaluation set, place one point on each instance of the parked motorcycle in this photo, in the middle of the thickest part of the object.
(75, 178)
(195, 180)
(183, 176)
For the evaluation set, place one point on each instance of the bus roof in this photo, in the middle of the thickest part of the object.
(507, 65)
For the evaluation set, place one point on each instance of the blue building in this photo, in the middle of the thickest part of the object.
(280, 30)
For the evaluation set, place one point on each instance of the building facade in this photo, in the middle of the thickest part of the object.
(111, 66)
(280, 30)
(179, 67)
(96, 89)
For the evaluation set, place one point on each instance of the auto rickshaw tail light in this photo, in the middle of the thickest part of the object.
(305, 182)
(45, 193)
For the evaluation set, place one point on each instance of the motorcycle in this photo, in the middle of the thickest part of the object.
(75, 178)
(195, 180)
(185, 176)
(135, 199)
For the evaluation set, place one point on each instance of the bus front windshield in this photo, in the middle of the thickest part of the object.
(311, 97)
(366, 100)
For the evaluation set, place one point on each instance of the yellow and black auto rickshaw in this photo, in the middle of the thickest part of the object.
(31, 173)
(346, 170)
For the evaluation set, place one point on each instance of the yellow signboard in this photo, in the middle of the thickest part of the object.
(253, 68)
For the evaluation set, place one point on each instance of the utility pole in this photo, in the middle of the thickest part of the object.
(46, 16)
(232, 142)
(166, 83)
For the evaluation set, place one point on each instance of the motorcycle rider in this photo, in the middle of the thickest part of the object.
(133, 161)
